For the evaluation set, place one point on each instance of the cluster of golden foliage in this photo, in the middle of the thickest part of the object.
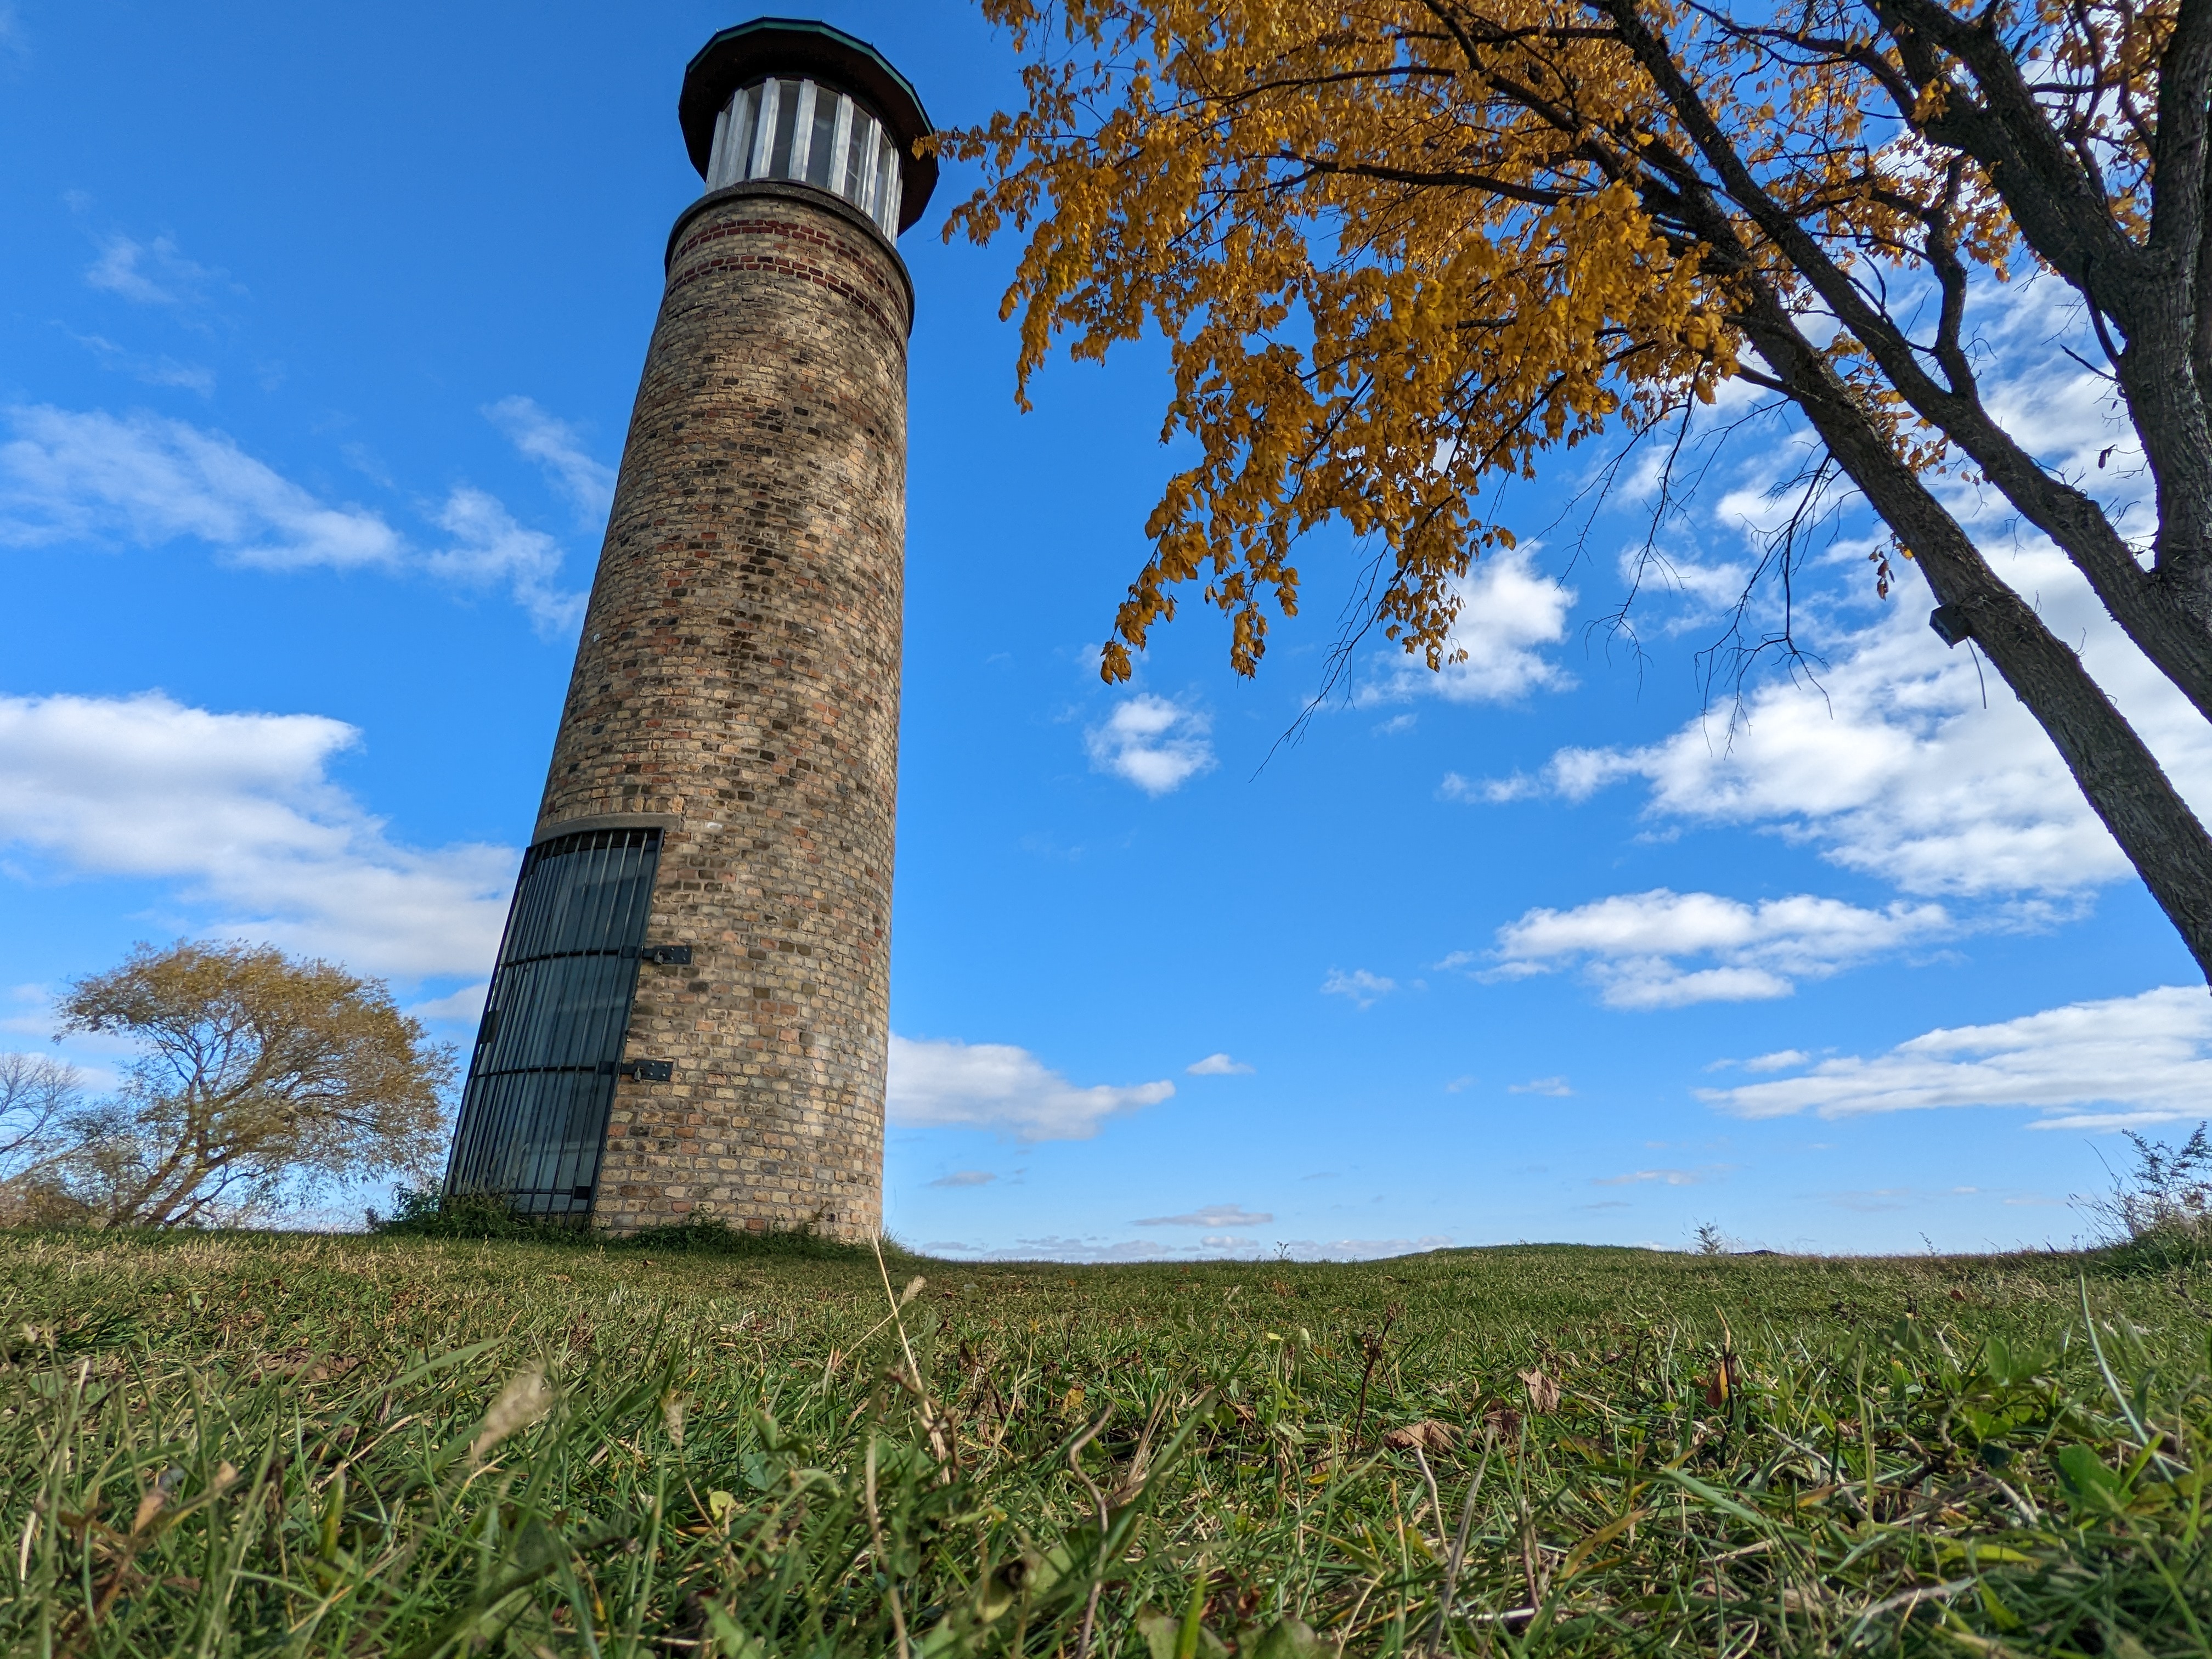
(1400, 248)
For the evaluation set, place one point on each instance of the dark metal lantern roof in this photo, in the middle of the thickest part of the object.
(791, 45)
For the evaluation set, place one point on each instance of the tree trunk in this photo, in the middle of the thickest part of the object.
(2121, 779)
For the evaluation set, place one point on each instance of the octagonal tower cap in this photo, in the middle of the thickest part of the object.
(796, 46)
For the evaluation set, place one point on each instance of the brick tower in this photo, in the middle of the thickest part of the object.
(690, 1011)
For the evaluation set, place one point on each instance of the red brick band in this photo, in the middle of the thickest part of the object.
(682, 274)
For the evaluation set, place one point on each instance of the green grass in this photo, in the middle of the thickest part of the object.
(237, 1444)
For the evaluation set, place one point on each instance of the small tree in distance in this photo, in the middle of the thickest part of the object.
(39, 1098)
(258, 1075)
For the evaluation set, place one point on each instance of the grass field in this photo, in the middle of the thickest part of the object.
(240, 1443)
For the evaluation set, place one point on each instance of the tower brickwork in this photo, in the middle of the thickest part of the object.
(732, 723)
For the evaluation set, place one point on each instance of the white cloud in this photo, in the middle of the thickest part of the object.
(93, 1078)
(1363, 989)
(1630, 944)
(147, 273)
(67, 476)
(1703, 590)
(1878, 1200)
(154, 371)
(1889, 763)
(1093, 1249)
(965, 1178)
(1507, 613)
(239, 810)
(995, 1085)
(1554, 1086)
(1152, 743)
(557, 447)
(2144, 1058)
(1884, 757)
(1054, 1247)
(37, 1004)
(1781, 1060)
(1365, 1250)
(1217, 1065)
(1212, 1215)
(1665, 1178)
(140, 479)
(1494, 792)
(491, 549)
(464, 1007)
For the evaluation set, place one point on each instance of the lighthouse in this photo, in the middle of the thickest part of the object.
(689, 1014)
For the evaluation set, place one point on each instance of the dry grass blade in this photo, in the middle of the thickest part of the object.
(1446, 1601)
(1098, 1500)
(526, 1398)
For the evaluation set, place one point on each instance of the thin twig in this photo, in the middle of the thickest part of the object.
(1911, 1598)
(2021, 1506)
(1372, 1347)
(1505, 1617)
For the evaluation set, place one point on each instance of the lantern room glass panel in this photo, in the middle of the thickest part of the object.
(797, 129)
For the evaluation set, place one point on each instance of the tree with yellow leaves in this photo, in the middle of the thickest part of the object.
(258, 1077)
(1402, 248)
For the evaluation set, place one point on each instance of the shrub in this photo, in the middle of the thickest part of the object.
(428, 1213)
(2158, 1218)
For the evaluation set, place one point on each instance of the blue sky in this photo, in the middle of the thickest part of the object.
(317, 344)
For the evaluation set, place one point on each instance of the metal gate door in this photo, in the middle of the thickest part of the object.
(542, 1079)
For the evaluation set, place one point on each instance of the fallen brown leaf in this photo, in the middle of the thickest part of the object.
(1723, 1383)
(1427, 1435)
(1543, 1391)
